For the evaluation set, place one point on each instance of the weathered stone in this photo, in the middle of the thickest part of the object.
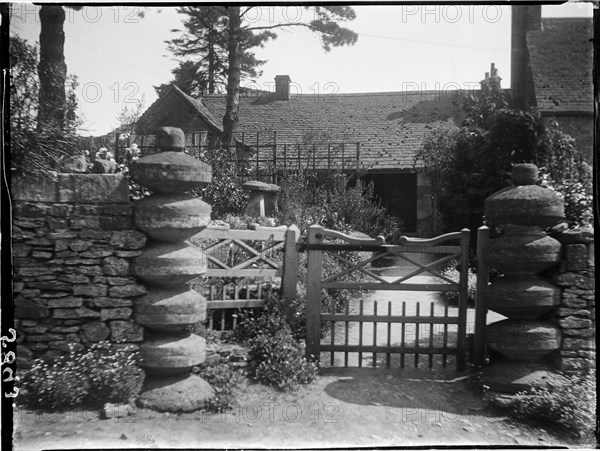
(29, 309)
(115, 313)
(171, 217)
(18, 287)
(172, 354)
(82, 222)
(38, 346)
(56, 224)
(524, 174)
(526, 252)
(523, 340)
(573, 279)
(176, 394)
(74, 278)
(90, 290)
(62, 235)
(66, 302)
(61, 210)
(37, 188)
(65, 329)
(41, 254)
(574, 303)
(170, 139)
(573, 322)
(170, 172)
(30, 209)
(169, 264)
(44, 337)
(170, 310)
(512, 377)
(80, 312)
(564, 311)
(115, 266)
(23, 352)
(97, 253)
(117, 210)
(128, 254)
(126, 331)
(52, 355)
(40, 241)
(21, 250)
(522, 298)
(589, 332)
(106, 302)
(128, 239)
(584, 235)
(130, 290)
(591, 253)
(65, 255)
(99, 279)
(54, 294)
(79, 245)
(86, 210)
(577, 343)
(93, 188)
(96, 235)
(89, 270)
(74, 164)
(54, 285)
(119, 280)
(576, 257)
(37, 329)
(95, 331)
(115, 222)
(66, 346)
(110, 410)
(29, 322)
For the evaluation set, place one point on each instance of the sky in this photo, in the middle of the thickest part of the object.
(119, 56)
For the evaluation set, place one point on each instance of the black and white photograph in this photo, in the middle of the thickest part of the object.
(299, 225)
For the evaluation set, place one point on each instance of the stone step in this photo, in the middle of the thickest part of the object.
(182, 394)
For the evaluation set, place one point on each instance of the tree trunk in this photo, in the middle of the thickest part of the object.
(230, 120)
(52, 69)
(211, 60)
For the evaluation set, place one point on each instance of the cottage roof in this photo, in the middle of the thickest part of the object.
(561, 65)
(390, 127)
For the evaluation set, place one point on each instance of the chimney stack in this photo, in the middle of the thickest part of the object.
(524, 18)
(282, 87)
(492, 81)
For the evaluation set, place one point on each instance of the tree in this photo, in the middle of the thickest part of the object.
(242, 37)
(35, 145)
(52, 70)
(468, 164)
(202, 51)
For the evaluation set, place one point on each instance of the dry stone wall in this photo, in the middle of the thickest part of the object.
(576, 315)
(73, 245)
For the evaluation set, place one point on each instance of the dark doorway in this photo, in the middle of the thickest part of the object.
(398, 194)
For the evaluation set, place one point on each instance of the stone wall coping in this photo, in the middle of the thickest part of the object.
(70, 188)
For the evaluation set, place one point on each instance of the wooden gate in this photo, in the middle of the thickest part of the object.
(324, 244)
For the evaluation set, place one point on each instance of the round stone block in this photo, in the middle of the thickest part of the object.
(172, 354)
(527, 252)
(170, 139)
(175, 394)
(170, 172)
(171, 217)
(170, 310)
(511, 377)
(524, 174)
(529, 205)
(523, 340)
(521, 297)
(169, 264)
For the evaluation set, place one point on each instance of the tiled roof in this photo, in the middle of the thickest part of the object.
(390, 126)
(561, 63)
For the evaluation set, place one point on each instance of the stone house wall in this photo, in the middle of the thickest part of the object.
(72, 244)
(576, 315)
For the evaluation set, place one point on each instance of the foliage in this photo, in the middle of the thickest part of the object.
(468, 164)
(566, 173)
(275, 356)
(225, 379)
(202, 50)
(100, 374)
(452, 272)
(224, 194)
(37, 147)
(569, 406)
(310, 198)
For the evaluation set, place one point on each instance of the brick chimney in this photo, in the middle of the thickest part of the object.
(524, 18)
(282, 87)
(492, 81)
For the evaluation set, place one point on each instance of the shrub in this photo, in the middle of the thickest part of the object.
(100, 374)
(452, 273)
(570, 406)
(275, 356)
(225, 380)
